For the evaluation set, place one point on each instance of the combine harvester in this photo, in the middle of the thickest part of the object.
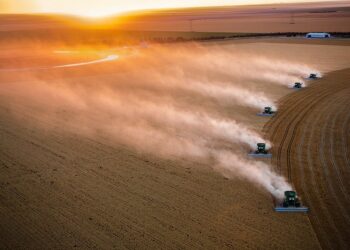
(267, 112)
(291, 203)
(297, 85)
(313, 76)
(261, 152)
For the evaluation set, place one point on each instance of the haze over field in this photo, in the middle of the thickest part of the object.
(146, 109)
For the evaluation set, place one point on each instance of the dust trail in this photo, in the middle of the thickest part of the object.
(226, 162)
(300, 70)
(203, 125)
(242, 66)
(228, 94)
(281, 79)
(168, 117)
(256, 172)
(225, 93)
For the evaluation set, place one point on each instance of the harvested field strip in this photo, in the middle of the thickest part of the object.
(310, 138)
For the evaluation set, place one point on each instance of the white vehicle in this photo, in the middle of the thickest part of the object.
(318, 35)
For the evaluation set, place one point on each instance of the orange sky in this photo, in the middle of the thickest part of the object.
(96, 8)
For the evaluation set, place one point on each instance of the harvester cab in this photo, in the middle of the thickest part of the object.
(298, 85)
(267, 112)
(261, 148)
(261, 151)
(313, 76)
(291, 199)
(291, 203)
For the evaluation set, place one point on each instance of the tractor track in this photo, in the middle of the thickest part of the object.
(320, 180)
(315, 222)
(324, 162)
(275, 123)
(297, 117)
(335, 161)
(344, 144)
(327, 168)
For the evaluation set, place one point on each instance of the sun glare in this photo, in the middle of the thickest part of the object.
(96, 13)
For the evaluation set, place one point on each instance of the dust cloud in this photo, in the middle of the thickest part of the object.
(156, 101)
